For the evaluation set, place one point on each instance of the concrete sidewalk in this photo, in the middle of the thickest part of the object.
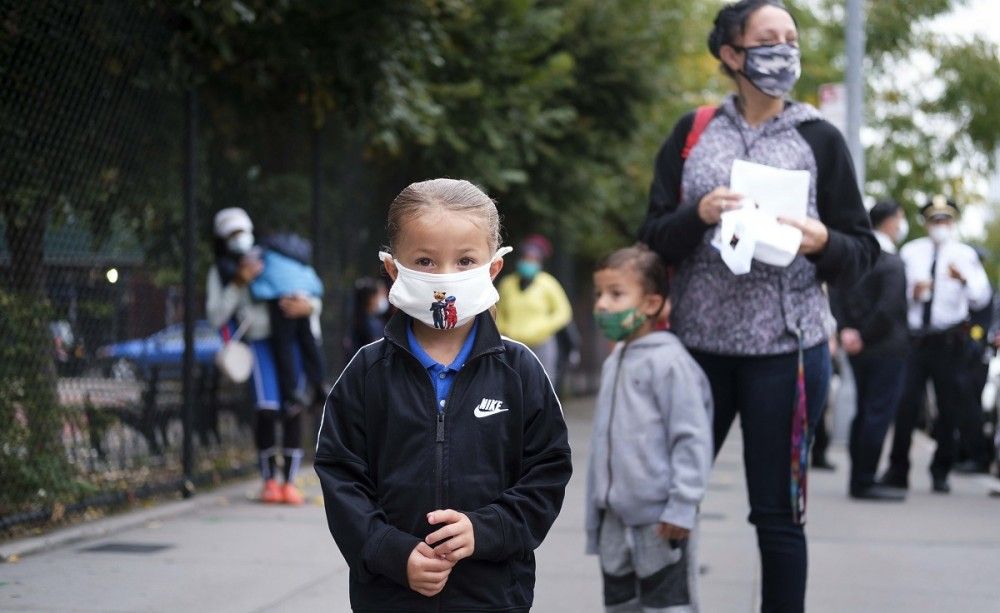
(227, 552)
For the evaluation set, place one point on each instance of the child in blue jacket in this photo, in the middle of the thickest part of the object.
(286, 272)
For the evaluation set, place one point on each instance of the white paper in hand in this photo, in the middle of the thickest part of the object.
(737, 240)
(758, 236)
(780, 192)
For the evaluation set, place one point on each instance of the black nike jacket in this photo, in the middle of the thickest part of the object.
(498, 453)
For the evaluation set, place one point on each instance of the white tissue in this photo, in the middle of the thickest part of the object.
(759, 237)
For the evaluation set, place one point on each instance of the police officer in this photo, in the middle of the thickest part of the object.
(945, 280)
(871, 317)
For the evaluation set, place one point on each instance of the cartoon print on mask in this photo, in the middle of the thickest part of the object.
(437, 309)
(450, 312)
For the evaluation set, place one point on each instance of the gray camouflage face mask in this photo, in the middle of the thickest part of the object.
(773, 69)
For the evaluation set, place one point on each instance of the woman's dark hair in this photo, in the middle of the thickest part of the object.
(225, 261)
(643, 260)
(883, 209)
(731, 23)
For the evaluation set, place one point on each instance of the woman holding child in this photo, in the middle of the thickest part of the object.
(759, 337)
(231, 307)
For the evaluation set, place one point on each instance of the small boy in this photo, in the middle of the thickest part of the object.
(651, 449)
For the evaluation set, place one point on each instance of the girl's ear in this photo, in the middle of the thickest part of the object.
(731, 57)
(495, 267)
(390, 268)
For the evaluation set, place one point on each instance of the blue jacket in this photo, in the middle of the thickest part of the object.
(498, 453)
(283, 276)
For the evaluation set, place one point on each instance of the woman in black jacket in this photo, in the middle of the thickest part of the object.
(760, 337)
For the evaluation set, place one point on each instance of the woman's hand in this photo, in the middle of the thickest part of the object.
(717, 202)
(815, 235)
(295, 307)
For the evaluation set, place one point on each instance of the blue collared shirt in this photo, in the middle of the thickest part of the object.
(442, 377)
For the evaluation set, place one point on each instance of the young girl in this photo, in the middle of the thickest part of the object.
(443, 453)
(651, 449)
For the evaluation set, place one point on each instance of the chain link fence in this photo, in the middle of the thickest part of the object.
(91, 220)
(114, 116)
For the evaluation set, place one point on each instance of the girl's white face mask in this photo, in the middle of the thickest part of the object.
(444, 301)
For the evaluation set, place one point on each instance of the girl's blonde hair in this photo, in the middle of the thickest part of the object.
(451, 194)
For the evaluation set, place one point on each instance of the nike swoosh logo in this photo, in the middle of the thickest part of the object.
(481, 413)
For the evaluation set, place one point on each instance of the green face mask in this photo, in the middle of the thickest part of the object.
(619, 325)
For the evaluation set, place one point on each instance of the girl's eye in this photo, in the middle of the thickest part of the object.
(466, 262)
(424, 262)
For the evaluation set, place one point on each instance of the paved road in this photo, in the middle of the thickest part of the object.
(226, 552)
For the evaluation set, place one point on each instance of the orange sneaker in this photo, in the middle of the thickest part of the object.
(271, 492)
(292, 495)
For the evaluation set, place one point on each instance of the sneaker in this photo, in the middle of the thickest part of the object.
(823, 464)
(940, 485)
(879, 493)
(892, 478)
(271, 493)
(292, 495)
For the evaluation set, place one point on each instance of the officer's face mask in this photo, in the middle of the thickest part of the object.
(773, 69)
(941, 233)
(444, 301)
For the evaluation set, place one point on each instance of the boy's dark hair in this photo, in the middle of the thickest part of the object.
(731, 22)
(883, 209)
(642, 259)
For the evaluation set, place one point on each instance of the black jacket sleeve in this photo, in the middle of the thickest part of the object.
(368, 542)
(671, 231)
(881, 301)
(514, 524)
(852, 249)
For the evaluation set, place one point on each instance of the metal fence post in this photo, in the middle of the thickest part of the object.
(190, 230)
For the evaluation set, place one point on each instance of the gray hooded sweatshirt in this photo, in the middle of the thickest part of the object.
(651, 448)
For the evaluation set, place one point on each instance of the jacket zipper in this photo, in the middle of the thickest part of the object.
(611, 421)
(439, 431)
(439, 447)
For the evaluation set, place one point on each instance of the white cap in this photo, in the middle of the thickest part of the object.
(230, 220)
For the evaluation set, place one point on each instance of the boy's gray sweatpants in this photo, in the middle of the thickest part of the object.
(645, 573)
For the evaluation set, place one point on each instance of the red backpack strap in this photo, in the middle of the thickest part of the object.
(702, 116)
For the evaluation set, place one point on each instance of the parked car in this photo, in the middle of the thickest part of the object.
(163, 350)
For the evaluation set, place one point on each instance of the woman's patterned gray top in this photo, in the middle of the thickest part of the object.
(759, 313)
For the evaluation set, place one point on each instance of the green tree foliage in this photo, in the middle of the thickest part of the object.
(930, 109)
(538, 101)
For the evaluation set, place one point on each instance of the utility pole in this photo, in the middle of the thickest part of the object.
(855, 46)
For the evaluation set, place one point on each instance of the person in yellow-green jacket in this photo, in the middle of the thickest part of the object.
(533, 305)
